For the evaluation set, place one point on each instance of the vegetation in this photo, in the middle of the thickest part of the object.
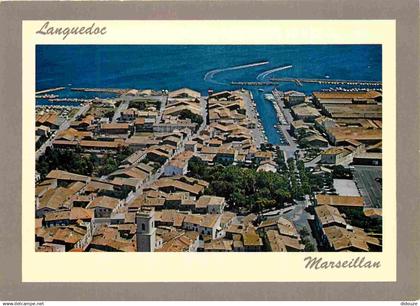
(243, 188)
(77, 162)
(357, 218)
(309, 246)
(340, 172)
(142, 104)
(187, 114)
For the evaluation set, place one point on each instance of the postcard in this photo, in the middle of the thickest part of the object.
(184, 152)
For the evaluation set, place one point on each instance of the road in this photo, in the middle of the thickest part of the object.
(65, 125)
(251, 111)
(370, 189)
(122, 107)
(299, 216)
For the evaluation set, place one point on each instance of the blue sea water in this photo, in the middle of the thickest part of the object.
(174, 66)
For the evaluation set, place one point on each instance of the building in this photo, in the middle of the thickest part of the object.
(339, 201)
(293, 98)
(305, 112)
(146, 231)
(104, 206)
(176, 167)
(210, 204)
(337, 156)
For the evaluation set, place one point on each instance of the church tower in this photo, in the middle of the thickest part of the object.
(146, 231)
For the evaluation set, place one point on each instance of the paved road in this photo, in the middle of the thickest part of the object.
(122, 107)
(299, 216)
(251, 111)
(369, 188)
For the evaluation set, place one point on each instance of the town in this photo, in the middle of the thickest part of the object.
(176, 171)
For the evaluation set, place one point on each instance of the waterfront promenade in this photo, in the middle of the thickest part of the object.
(252, 113)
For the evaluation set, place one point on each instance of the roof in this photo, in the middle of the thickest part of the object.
(186, 91)
(55, 198)
(342, 239)
(223, 245)
(100, 144)
(79, 213)
(105, 202)
(165, 182)
(251, 238)
(347, 95)
(206, 200)
(357, 133)
(57, 215)
(336, 200)
(113, 126)
(67, 176)
(328, 214)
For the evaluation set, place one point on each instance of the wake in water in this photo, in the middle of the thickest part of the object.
(263, 75)
(209, 76)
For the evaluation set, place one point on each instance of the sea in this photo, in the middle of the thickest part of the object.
(202, 67)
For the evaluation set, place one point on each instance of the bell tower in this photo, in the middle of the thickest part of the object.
(146, 231)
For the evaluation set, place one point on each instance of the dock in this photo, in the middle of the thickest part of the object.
(299, 81)
(49, 90)
(106, 90)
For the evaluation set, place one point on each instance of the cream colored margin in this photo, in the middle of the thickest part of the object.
(219, 267)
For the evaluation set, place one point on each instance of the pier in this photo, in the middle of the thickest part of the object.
(300, 81)
(253, 83)
(106, 90)
(49, 90)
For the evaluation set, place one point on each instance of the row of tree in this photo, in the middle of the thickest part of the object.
(80, 163)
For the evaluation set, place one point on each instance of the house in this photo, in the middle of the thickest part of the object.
(325, 216)
(226, 155)
(339, 239)
(305, 112)
(279, 243)
(339, 201)
(210, 204)
(261, 156)
(315, 141)
(115, 128)
(143, 124)
(129, 114)
(52, 200)
(184, 93)
(297, 127)
(176, 167)
(337, 156)
(360, 134)
(267, 166)
(219, 245)
(206, 225)
(293, 98)
(64, 178)
(49, 119)
(104, 206)
(251, 241)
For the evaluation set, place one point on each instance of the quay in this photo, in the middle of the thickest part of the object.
(49, 90)
(253, 83)
(299, 81)
(106, 90)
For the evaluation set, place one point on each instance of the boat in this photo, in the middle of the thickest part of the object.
(260, 89)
